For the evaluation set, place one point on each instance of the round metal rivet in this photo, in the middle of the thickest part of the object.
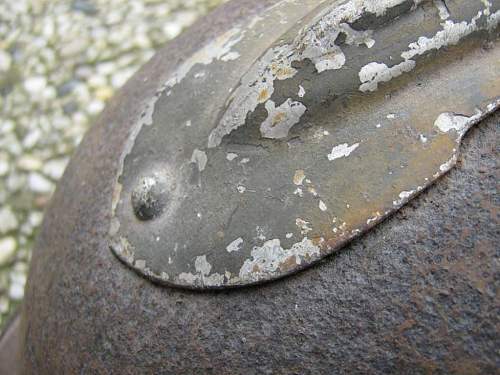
(149, 198)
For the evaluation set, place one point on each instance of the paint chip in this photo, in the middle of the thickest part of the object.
(343, 150)
(301, 92)
(281, 119)
(235, 245)
(299, 177)
(322, 206)
(200, 159)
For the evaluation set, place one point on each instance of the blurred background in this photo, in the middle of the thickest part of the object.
(60, 62)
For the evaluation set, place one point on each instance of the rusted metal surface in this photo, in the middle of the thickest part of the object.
(417, 294)
(268, 148)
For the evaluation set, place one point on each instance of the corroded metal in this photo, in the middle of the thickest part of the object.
(417, 294)
(285, 143)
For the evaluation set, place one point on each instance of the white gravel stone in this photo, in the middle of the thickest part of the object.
(40, 184)
(55, 168)
(8, 220)
(5, 61)
(32, 138)
(29, 163)
(4, 305)
(4, 167)
(7, 249)
(16, 291)
(95, 107)
(35, 85)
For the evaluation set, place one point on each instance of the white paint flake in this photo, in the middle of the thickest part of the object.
(442, 9)
(314, 42)
(233, 55)
(235, 245)
(200, 159)
(404, 195)
(202, 276)
(447, 122)
(374, 73)
(280, 120)
(322, 206)
(269, 258)
(299, 177)
(299, 192)
(302, 92)
(303, 225)
(231, 156)
(343, 150)
(260, 233)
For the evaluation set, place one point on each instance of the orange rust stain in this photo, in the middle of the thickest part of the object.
(288, 264)
(278, 118)
(263, 96)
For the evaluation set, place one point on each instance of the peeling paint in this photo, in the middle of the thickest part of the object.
(303, 225)
(280, 120)
(302, 92)
(451, 34)
(322, 206)
(231, 156)
(315, 42)
(357, 38)
(299, 177)
(202, 277)
(299, 192)
(442, 9)
(200, 159)
(192, 270)
(269, 258)
(235, 245)
(374, 73)
(449, 121)
(403, 196)
(340, 151)
(260, 233)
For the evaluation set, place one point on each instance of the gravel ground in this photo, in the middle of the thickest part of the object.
(60, 61)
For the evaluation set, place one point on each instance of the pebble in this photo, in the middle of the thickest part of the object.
(5, 61)
(29, 163)
(8, 220)
(16, 291)
(7, 249)
(35, 85)
(39, 184)
(4, 167)
(55, 168)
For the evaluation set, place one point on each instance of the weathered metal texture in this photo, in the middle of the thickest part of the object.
(417, 294)
(268, 148)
